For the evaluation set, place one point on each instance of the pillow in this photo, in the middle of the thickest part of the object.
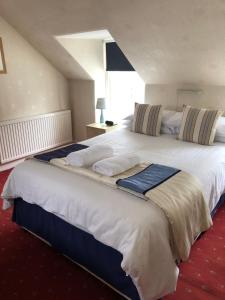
(171, 121)
(127, 122)
(220, 130)
(147, 119)
(129, 117)
(199, 125)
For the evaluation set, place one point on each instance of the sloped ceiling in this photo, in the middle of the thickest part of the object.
(167, 41)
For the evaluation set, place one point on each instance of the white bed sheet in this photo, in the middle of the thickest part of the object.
(137, 229)
(207, 163)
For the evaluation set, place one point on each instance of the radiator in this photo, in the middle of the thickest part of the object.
(26, 136)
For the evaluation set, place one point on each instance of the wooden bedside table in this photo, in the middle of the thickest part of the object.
(95, 129)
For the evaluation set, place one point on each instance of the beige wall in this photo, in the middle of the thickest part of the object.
(169, 95)
(89, 53)
(32, 85)
(82, 104)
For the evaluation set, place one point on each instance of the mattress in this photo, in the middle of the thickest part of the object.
(207, 163)
(137, 229)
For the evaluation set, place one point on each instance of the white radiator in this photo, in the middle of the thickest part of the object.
(25, 136)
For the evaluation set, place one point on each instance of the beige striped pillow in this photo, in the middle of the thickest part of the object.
(147, 119)
(199, 125)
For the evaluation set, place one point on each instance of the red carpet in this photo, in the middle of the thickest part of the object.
(203, 276)
(29, 269)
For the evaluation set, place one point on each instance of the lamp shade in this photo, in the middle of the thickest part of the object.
(101, 103)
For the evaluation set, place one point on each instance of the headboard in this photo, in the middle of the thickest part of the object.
(207, 98)
(173, 96)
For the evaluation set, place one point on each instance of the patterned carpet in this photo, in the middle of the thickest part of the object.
(32, 270)
(203, 276)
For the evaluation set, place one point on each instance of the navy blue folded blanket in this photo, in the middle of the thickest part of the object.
(60, 153)
(148, 179)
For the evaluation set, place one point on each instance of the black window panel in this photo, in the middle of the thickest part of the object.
(115, 59)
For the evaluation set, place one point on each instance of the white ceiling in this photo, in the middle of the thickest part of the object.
(167, 41)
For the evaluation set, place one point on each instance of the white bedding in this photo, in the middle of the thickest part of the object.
(137, 229)
(207, 163)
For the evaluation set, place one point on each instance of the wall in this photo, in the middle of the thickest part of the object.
(89, 54)
(83, 107)
(32, 85)
(167, 95)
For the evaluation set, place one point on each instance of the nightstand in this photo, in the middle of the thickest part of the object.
(97, 129)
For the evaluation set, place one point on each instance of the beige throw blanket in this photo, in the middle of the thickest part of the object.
(180, 198)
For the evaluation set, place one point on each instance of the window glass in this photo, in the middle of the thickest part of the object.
(123, 89)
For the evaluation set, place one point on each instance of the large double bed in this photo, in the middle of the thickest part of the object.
(119, 237)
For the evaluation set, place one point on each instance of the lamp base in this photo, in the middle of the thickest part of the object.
(102, 117)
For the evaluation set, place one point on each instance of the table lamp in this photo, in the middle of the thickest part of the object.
(101, 105)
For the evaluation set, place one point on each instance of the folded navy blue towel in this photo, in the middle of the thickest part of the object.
(60, 153)
(149, 178)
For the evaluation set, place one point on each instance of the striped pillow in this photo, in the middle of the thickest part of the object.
(147, 119)
(199, 125)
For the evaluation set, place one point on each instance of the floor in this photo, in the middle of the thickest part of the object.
(32, 270)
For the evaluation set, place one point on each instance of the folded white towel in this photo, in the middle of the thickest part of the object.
(88, 156)
(116, 164)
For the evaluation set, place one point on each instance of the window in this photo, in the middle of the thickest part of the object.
(123, 89)
(124, 86)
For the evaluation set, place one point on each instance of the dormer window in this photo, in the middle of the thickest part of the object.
(124, 86)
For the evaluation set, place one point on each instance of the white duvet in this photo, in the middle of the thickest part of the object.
(137, 229)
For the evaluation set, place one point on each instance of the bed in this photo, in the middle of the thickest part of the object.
(129, 238)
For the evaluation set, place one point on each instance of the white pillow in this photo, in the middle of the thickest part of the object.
(129, 118)
(127, 122)
(171, 122)
(220, 130)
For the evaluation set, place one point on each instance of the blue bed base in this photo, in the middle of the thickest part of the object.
(77, 244)
(98, 258)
